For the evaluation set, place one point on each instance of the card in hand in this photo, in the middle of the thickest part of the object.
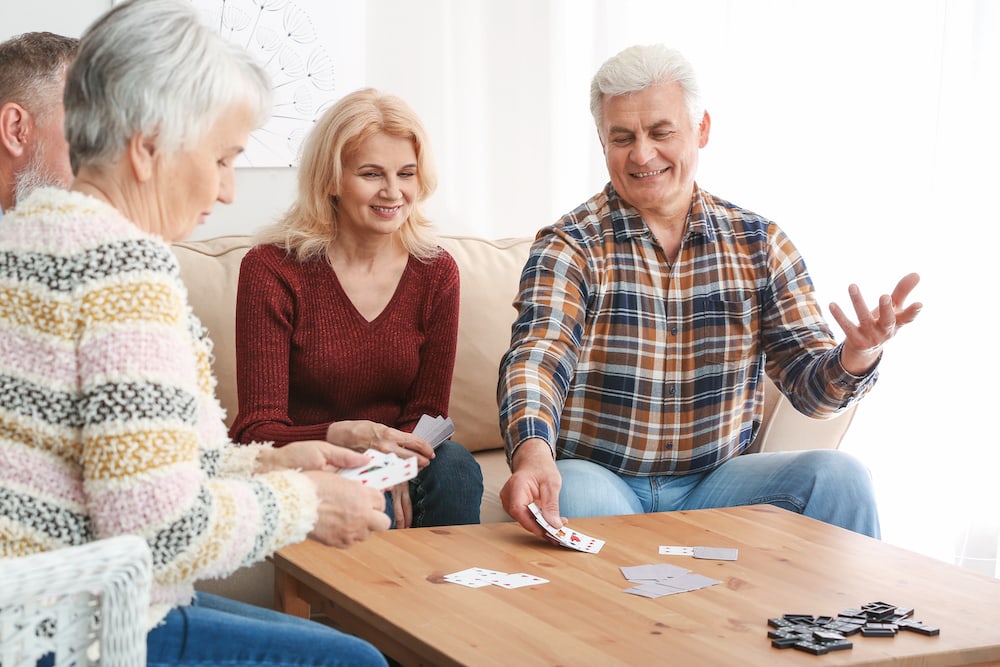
(385, 470)
(434, 430)
(566, 536)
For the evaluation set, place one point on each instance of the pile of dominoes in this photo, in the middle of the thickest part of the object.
(822, 634)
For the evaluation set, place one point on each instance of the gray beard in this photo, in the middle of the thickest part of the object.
(34, 175)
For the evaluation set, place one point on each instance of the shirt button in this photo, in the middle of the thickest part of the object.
(672, 391)
(673, 331)
(670, 445)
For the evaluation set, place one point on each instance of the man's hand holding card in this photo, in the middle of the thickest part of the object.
(565, 536)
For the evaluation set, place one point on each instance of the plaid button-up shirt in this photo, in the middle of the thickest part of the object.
(648, 368)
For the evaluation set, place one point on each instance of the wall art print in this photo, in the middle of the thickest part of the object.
(313, 51)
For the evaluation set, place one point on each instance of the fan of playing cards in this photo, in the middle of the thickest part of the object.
(434, 430)
(385, 470)
(567, 537)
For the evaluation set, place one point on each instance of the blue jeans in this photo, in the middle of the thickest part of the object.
(448, 492)
(214, 630)
(824, 484)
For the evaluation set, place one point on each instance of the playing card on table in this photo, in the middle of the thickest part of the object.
(713, 553)
(518, 580)
(477, 577)
(716, 553)
(659, 579)
(434, 430)
(652, 572)
(676, 551)
(567, 536)
(474, 577)
(383, 471)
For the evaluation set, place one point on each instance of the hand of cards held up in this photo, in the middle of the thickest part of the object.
(434, 430)
(383, 471)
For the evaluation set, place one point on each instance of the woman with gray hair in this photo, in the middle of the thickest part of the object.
(109, 423)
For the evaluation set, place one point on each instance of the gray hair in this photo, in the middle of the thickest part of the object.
(32, 66)
(153, 67)
(639, 67)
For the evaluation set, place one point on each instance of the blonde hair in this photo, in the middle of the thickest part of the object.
(309, 228)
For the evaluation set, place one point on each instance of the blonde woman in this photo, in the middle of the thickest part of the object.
(347, 310)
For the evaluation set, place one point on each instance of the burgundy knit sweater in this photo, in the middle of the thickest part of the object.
(305, 357)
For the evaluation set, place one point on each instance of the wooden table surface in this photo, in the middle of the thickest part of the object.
(389, 590)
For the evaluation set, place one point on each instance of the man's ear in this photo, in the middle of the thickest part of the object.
(16, 126)
(703, 130)
(141, 152)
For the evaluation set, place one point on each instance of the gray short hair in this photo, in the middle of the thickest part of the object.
(32, 66)
(639, 67)
(153, 67)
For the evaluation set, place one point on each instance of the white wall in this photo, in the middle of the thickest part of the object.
(408, 62)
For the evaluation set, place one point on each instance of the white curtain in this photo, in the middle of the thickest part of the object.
(868, 129)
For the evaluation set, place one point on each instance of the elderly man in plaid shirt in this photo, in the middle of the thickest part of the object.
(646, 319)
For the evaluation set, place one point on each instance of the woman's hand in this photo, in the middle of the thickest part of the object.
(309, 455)
(348, 512)
(361, 434)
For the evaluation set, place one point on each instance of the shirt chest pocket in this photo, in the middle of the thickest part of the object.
(722, 330)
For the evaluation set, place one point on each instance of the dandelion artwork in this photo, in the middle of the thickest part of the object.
(313, 51)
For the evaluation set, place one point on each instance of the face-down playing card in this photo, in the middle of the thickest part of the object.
(434, 430)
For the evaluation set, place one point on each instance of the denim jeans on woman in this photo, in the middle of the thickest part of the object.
(214, 630)
(448, 492)
(828, 485)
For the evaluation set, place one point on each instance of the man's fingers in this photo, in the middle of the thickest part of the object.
(860, 307)
(904, 287)
(909, 314)
(527, 521)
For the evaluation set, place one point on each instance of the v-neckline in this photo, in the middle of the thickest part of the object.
(388, 304)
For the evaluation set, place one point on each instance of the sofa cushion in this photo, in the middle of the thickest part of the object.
(211, 270)
(489, 272)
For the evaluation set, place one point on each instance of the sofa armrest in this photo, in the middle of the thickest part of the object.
(786, 429)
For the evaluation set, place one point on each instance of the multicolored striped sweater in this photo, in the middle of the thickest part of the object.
(108, 418)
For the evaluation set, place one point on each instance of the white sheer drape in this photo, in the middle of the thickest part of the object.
(868, 129)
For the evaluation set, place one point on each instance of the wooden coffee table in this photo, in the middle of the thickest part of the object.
(389, 590)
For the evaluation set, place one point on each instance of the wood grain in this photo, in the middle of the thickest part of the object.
(390, 590)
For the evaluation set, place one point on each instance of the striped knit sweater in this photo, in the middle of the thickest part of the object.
(108, 418)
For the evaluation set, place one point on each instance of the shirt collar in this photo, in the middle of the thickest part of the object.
(627, 223)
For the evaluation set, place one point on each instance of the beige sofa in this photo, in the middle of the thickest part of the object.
(489, 276)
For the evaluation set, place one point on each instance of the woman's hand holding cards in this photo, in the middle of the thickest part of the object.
(362, 435)
(347, 512)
